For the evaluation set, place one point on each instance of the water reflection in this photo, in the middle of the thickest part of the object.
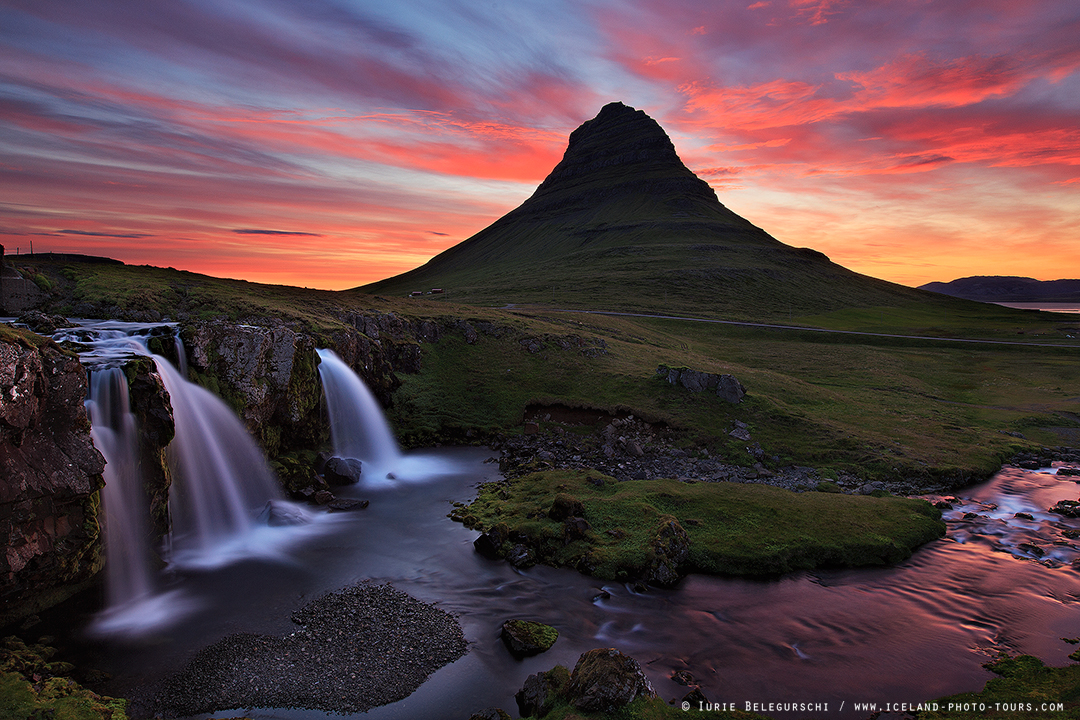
(913, 632)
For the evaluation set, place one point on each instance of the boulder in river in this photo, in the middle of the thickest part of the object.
(525, 637)
(342, 471)
(605, 680)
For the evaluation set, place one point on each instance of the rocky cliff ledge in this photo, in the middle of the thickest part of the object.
(50, 474)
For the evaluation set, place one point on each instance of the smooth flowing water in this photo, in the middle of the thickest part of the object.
(357, 426)
(221, 497)
(907, 633)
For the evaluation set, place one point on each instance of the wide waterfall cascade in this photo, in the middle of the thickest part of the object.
(358, 427)
(221, 480)
(223, 498)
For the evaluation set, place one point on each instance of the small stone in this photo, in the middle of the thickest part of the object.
(682, 677)
(490, 543)
(695, 697)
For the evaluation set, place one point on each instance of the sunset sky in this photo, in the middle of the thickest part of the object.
(330, 143)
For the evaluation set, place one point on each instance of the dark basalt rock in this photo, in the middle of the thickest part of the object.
(490, 543)
(50, 474)
(1068, 508)
(541, 691)
(342, 471)
(605, 680)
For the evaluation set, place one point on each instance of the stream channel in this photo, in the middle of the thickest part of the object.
(902, 634)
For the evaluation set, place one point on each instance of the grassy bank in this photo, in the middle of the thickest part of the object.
(743, 529)
(1024, 688)
(876, 407)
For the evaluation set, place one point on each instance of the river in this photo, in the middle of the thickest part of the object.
(908, 633)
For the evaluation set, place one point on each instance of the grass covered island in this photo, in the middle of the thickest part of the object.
(658, 530)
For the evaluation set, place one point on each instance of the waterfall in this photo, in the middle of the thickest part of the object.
(358, 428)
(224, 502)
(221, 480)
(127, 562)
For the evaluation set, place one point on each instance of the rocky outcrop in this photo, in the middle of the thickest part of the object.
(604, 681)
(267, 374)
(153, 413)
(50, 474)
(669, 551)
(725, 386)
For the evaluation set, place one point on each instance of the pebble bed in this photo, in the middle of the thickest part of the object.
(362, 647)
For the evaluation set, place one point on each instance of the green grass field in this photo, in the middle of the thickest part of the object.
(878, 407)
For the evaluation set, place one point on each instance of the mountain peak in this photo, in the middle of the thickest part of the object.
(621, 148)
(622, 223)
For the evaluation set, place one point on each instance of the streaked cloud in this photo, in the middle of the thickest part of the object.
(317, 143)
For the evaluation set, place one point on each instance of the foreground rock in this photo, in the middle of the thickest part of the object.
(50, 474)
(356, 649)
(604, 680)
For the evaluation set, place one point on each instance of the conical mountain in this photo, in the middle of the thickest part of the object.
(622, 223)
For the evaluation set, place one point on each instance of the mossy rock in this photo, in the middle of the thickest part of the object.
(525, 637)
(33, 687)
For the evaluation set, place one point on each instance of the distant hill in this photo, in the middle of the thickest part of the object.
(1008, 288)
(621, 223)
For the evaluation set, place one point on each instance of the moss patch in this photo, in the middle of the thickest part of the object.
(1025, 688)
(733, 528)
(33, 687)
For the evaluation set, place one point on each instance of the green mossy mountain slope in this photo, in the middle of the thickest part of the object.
(621, 223)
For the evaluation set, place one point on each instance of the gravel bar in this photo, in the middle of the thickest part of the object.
(361, 647)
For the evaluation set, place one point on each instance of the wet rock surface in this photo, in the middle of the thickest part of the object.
(50, 473)
(356, 649)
